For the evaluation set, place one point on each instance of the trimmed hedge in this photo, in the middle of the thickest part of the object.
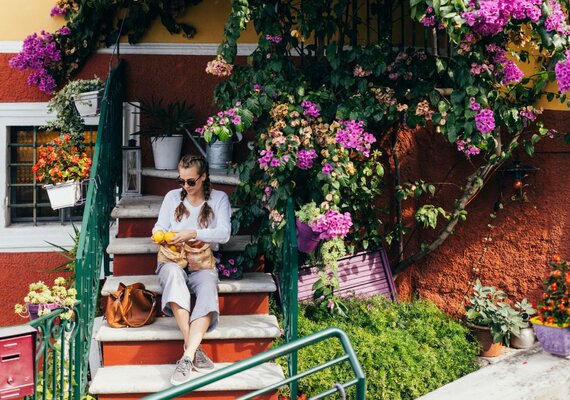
(405, 349)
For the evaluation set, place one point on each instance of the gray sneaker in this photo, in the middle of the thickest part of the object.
(202, 362)
(182, 372)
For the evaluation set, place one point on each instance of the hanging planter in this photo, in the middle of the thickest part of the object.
(307, 239)
(63, 195)
(88, 104)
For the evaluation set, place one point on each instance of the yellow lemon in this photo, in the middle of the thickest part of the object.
(173, 247)
(158, 236)
(168, 236)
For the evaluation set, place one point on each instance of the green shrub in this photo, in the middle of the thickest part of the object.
(406, 349)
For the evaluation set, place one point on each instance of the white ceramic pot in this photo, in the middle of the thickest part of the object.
(88, 104)
(525, 340)
(166, 151)
(63, 195)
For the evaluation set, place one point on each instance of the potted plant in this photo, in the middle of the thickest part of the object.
(525, 338)
(552, 324)
(42, 299)
(307, 238)
(61, 167)
(222, 131)
(66, 106)
(164, 126)
(491, 319)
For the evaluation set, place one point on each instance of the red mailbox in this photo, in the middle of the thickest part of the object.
(17, 361)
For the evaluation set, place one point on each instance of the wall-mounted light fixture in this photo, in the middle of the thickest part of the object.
(517, 175)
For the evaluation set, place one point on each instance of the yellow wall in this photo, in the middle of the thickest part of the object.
(20, 18)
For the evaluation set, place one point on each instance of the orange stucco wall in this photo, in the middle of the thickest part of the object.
(525, 234)
(17, 271)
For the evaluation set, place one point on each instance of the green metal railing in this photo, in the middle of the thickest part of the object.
(287, 349)
(289, 289)
(55, 356)
(62, 345)
(91, 255)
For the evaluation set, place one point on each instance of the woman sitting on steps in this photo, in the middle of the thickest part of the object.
(196, 213)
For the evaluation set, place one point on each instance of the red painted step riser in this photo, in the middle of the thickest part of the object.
(230, 395)
(168, 352)
(145, 264)
(142, 227)
(161, 186)
(235, 304)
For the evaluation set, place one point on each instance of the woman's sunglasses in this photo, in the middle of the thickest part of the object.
(190, 182)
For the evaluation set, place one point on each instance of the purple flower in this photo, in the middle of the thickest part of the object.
(327, 169)
(236, 120)
(512, 73)
(305, 159)
(466, 147)
(310, 109)
(57, 11)
(474, 106)
(562, 71)
(352, 136)
(485, 121)
(64, 31)
(265, 159)
(274, 38)
(332, 224)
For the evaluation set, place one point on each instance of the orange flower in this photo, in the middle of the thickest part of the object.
(556, 259)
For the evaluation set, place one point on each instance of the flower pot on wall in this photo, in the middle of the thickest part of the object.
(219, 154)
(63, 195)
(485, 339)
(166, 151)
(554, 339)
(88, 104)
(307, 239)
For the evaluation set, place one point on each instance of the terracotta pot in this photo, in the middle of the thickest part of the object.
(483, 336)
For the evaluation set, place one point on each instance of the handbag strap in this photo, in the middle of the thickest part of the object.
(149, 316)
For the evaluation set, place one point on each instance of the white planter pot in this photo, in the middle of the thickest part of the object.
(166, 151)
(63, 195)
(88, 104)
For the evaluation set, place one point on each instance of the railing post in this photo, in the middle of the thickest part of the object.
(289, 291)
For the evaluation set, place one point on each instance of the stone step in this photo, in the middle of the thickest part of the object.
(249, 295)
(252, 282)
(159, 182)
(137, 255)
(135, 381)
(145, 245)
(237, 337)
(530, 374)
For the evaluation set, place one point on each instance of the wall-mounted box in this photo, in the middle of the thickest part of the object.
(17, 361)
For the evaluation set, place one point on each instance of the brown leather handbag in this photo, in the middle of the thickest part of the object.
(132, 306)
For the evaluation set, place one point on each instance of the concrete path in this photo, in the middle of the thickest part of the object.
(521, 375)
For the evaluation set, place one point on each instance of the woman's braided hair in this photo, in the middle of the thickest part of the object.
(206, 213)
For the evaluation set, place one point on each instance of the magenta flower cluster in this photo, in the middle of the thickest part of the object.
(485, 121)
(352, 136)
(229, 269)
(274, 38)
(491, 16)
(327, 169)
(56, 11)
(39, 54)
(267, 159)
(466, 147)
(511, 73)
(562, 71)
(428, 19)
(310, 109)
(305, 158)
(332, 224)
(226, 118)
(556, 21)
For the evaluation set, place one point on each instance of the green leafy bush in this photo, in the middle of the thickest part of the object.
(406, 349)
